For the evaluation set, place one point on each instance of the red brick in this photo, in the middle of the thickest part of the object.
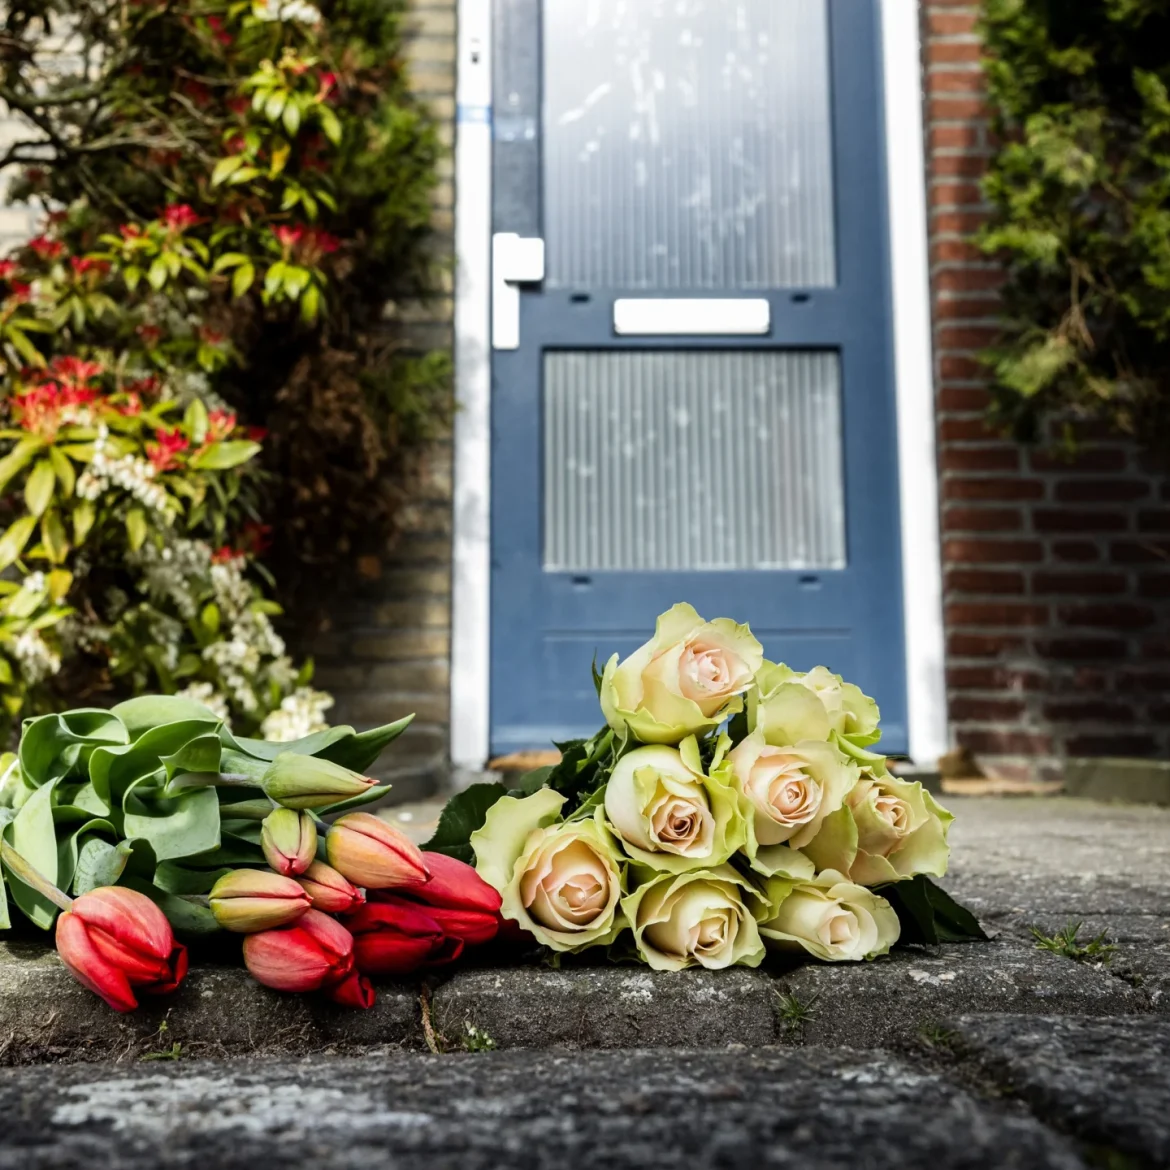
(1073, 583)
(1154, 585)
(964, 708)
(1140, 552)
(1074, 520)
(1111, 745)
(1154, 521)
(983, 581)
(968, 613)
(948, 52)
(1108, 616)
(963, 398)
(960, 223)
(999, 457)
(968, 279)
(1088, 491)
(1091, 459)
(973, 429)
(981, 520)
(952, 194)
(994, 678)
(1088, 711)
(963, 645)
(961, 366)
(947, 107)
(950, 251)
(966, 336)
(992, 552)
(947, 24)
(1008, 743)
(1081, 551)
(955, 488)
(966, 165)
(1143, 683)
(1081, 649)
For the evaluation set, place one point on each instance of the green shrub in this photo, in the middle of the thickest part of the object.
(191, 357)
(1080, 187)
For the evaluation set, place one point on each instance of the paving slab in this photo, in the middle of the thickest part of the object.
(812, 1109)
(1105, 1081)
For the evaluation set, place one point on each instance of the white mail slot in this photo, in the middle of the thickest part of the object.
(650, 316)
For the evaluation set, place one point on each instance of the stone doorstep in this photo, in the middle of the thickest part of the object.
(46, 1016)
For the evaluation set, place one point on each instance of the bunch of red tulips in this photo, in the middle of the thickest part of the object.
(380, 906)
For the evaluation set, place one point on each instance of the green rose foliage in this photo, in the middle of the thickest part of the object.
(1080, 191)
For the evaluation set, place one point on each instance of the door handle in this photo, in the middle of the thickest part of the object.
(516, 260)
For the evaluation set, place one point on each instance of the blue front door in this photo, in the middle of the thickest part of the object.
(691, 380)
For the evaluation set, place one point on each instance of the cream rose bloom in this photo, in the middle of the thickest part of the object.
(829, 917)
(788, 707)
(791, 789)
(668, 814)
(559, 880)
(887, 829)
(693, 919)
(685, 681)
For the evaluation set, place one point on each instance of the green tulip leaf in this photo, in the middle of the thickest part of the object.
(100, 864)
(359, 751)
(32, 835)
(199, 755)
(370, 795)
(311, 745)
(149, 711)
(178, 879)
(53, 745)
(69, 847)
(175, 827)
(112, 770)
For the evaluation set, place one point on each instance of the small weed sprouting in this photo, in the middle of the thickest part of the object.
(175, 1051)
(476, 1039)
(793, 1012)
(936, 1036)
(1064, 942)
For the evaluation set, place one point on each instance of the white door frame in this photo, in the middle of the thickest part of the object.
(913, 380)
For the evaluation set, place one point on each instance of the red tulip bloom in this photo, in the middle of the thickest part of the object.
(395, 937)
(313, 952)
(463, 905)
(354, 991)
(115, 940)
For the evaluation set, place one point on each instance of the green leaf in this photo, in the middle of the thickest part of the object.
(174, 827)
(84, 515)
(464, 814)
(198, 755)
(5, 920)
(70, 844)
(358, 752)
(52, 746)
(19, 458)
(100, 864)
(929, 914)
(31, 833)
(329, 124)
(53, 536)
(136, 528)
(242, 280)
(292, 118)
(148, 711)
(225, 168)
(13, 541)
(178, 879)
(195, 420)
(367, 797)
(310, 304)
(38, 488)
(158, 273)
(221, 456)
(63, 468)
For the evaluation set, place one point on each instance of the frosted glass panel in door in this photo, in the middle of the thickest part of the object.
(692, 460)
(687, 144)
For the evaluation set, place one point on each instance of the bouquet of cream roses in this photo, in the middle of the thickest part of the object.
(730, 805)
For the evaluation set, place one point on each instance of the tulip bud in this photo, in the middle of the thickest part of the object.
(373, 853)
(309, 782)
(248, 900)
(114, 940)
(354, 991)
(328, 890)
(289, 841)
(394, 937)
(315, 951)
(456, 884)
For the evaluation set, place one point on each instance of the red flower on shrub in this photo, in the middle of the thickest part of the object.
(225, 554)
(44, 409)
(83, 264)
(73, 373)
(220, 424)
(45, 248)
(146, 387)
(257, 538)
(165, 450)
(327, 84)
(131, 231)
(239, 104)
(132, 406)
(322, 241)
(7, 268)
(150, 334)
(288, 236)
(179, 216)
(19, 291)
(256, 434)
(215, 23)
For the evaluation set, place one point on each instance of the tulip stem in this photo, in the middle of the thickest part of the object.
(236, 780)
(25, 872)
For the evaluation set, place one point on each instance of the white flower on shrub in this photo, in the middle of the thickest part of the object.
(205, 693)
(299, 714)
(34, 582)
(291, 10)
(131, 473)
(36, 658)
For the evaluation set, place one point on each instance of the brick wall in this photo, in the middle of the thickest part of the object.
(1057, 571)
(385, 650)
